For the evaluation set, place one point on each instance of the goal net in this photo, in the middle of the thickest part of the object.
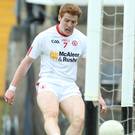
(111, 68)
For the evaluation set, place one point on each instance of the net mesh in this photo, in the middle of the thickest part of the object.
(111, 65)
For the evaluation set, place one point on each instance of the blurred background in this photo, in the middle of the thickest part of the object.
(19, 23)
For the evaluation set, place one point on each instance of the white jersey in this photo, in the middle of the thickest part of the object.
(59, 54)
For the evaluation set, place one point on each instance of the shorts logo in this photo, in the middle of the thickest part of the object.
(54, 55)
(42, 86)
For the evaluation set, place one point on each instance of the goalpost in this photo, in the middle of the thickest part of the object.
(94, 33)
(92, 66)
(128, 65)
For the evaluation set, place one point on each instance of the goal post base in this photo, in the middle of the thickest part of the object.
(91, 118)
(127, 114)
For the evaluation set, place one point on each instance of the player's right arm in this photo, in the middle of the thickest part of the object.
(34, 51)
(18, 76)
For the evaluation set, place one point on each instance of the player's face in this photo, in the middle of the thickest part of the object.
(67, 23)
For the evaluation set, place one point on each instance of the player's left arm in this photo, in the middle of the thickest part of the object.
(103, 106)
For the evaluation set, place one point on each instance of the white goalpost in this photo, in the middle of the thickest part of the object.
(93, 50)
(94, 23)
(58, 2)
(79, 2)
(128, 66)
(128, 53)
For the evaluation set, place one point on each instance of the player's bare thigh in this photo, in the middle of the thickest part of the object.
(48, 103)
(73, 107)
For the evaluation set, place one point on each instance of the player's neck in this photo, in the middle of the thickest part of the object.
(58, 30)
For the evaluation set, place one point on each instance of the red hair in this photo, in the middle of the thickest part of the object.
(71, 9)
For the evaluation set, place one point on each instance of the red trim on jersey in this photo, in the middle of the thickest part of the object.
(58, 30)
(29, 50)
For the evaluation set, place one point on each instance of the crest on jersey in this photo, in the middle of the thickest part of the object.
(74, 43)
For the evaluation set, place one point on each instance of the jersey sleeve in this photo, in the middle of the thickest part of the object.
(36, 48)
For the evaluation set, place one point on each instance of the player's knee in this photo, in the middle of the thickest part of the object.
(78, 122)
(51, 116)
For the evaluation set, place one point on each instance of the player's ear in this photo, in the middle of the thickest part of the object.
(59, 18)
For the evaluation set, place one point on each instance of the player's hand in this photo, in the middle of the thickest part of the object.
(9, 96)
(103, 107)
